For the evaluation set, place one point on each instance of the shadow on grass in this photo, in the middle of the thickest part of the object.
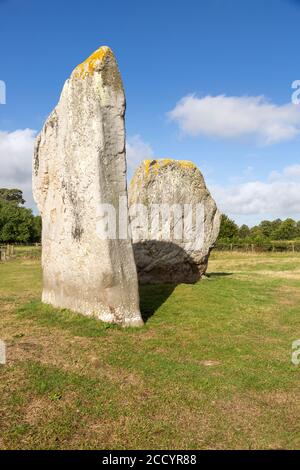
(209, 275)
(152, 296)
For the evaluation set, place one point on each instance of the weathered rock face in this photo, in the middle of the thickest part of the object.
(79, 164)
(188, 224)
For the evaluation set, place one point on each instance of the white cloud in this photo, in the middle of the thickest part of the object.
(232, 117)
(292, 172)
(16, 149)
(136, 151)
(278, 196)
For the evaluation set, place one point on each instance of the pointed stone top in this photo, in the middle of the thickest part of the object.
(89, 66)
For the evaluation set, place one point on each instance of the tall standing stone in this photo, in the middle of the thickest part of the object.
(79, 164)
(183, 222)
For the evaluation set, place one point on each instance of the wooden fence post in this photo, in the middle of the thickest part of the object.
(2, 254)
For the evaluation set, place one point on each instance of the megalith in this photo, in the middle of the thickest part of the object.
(79, 165)
(174, 221)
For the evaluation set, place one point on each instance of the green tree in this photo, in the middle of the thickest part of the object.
(256, 232)
(287, 230)
(12, 195)
(16, 223)
(36, 229)
(244, 231)
(298, 229)
(266, 228)
(228, 229)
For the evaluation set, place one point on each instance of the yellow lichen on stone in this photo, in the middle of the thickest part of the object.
(156, 165)
(187, 164)
(88, 67)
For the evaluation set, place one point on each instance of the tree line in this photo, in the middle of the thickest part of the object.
(265, 232)
(17, 223)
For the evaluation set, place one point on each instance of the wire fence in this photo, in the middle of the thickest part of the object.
(6, 252)
(275, 246)
(11, 251)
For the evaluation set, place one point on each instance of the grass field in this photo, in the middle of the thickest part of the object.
(211, 369)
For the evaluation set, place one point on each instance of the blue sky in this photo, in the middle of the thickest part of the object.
(221, 54)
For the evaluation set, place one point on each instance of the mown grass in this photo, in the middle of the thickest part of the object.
(33, 251)
(211, 368)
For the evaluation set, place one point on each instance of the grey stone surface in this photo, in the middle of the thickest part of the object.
(160, 258)
(79, 163)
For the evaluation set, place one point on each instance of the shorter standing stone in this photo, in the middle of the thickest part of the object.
(177, 191)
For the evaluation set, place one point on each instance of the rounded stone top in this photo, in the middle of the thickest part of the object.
(89, 66)
(156, 165)
(151, 168)
(165, 177)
